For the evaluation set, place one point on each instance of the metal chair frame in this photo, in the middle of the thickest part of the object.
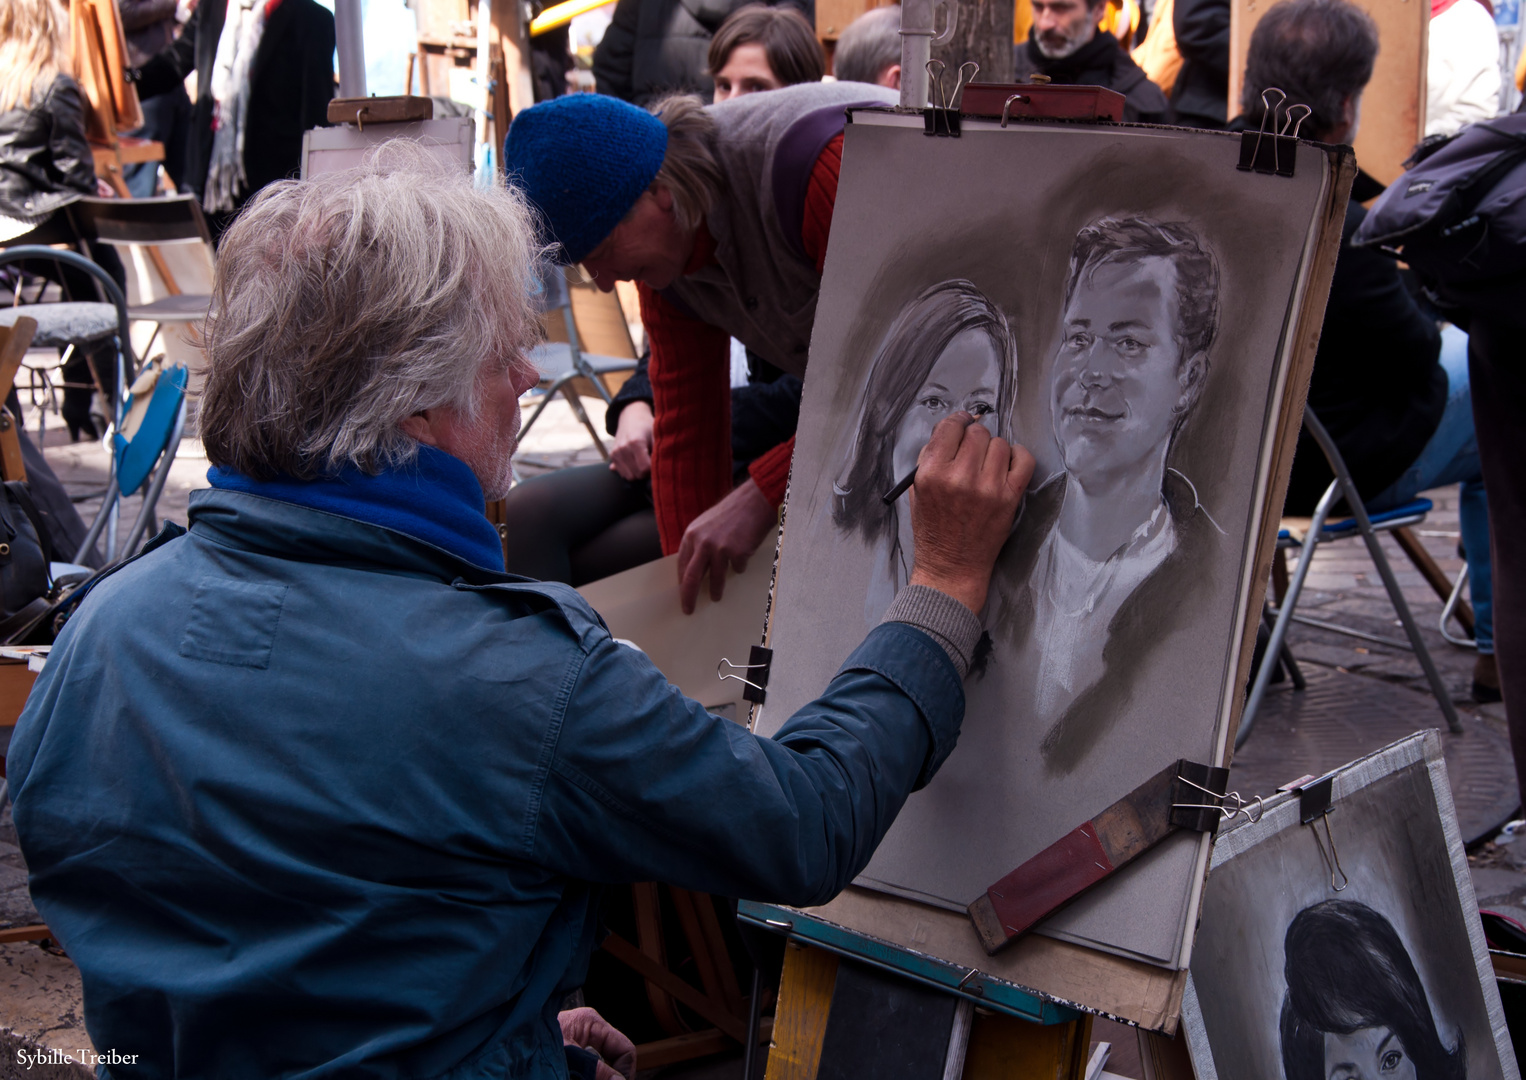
(107, 519)
(1449, 609)
(584, 365)
(1343, 486)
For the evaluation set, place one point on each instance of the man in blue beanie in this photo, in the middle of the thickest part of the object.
(315, 789)
(721, 215)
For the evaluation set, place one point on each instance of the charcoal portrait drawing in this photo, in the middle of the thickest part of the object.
(1120, 302)
(1355, 1008)
(1372, 969)
(949, 350)
(1105, 538)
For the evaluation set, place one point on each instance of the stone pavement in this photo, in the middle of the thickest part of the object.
(1381, 690)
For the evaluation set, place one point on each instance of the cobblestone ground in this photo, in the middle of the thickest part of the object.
(1343, 586)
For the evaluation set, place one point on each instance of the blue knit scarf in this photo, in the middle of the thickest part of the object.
(436, 499)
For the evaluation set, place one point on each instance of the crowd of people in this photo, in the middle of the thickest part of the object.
(340, 565)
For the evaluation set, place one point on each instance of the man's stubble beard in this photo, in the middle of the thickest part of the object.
(1083, 37)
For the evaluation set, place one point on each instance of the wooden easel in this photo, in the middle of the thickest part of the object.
(953, 1022)
(99, 52)
(14, 342)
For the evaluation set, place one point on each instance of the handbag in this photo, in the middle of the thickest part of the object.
(1458, 216)
(26, 554)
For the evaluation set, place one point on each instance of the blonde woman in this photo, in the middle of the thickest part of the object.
(46, 164)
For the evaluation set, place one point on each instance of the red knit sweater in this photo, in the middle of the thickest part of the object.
(690, 372)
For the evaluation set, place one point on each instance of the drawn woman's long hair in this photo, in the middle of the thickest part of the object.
(906, 356)
(1347, 970)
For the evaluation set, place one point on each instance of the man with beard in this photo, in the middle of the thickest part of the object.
(1108, 549)
(1068, 47)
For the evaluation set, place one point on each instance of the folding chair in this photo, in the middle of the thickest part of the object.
(148, 432)
(560, 363)
(151, 223)
(73, 323)
(1322, 530)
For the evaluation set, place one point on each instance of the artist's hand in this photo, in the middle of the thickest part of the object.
(728, 532)
(104, 190)
(631, 453)
(967, 491)
(586, 1028)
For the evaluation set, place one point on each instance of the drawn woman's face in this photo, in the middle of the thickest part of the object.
(966, 377)
(1372, 1053)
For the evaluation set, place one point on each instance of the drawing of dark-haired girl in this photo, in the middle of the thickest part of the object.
(1355, 1008)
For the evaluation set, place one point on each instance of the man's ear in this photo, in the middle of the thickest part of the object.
(1190, 376)
(662, 196)
(891, 77)
(419, 428)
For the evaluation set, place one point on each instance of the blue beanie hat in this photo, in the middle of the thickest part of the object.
(582, 161)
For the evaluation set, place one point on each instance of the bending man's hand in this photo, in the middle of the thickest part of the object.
(727, 533)
(631, 453)
(586, 1028)
(966, 494)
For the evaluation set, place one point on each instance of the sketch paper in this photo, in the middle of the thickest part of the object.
(640, 605)
(1122, 301)
(1389, 976)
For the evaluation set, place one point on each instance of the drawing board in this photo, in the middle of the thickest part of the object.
(1165, 375)
(1368, 963)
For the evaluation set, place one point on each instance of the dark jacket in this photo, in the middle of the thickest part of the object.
(149, 26)
(301, 793)
(1100, 62)
(1200, 97)
(1166, 599)
(291, 83)
(655, 47)
(45, 162)
(1378, 385)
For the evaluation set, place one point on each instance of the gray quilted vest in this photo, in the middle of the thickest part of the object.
(762, 288)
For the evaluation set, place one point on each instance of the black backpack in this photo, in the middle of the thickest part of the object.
(1459, 215)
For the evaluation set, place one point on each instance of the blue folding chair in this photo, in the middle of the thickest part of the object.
(1322, 531)
(133, 460)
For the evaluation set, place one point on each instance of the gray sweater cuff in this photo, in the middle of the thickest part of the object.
(950, 623)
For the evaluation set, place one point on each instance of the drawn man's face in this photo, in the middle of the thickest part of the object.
(1119, 382)
(967, 376)
(1367, 1054)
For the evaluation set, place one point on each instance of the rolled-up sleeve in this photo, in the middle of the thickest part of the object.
(640, 783)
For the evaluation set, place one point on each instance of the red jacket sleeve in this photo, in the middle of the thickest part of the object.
(771, 470)
(691, 407)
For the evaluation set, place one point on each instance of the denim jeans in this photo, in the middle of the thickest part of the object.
(1451, 457)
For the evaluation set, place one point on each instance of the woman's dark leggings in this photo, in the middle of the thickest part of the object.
(580, 525)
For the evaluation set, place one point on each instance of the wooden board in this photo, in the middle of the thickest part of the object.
(99, 52)
(1111, 985)
(1127, 989)
(833, 16)
(1393, 106)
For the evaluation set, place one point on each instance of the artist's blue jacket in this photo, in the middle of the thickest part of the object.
(304, 795)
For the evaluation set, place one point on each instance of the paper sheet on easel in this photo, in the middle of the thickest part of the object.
(641, 606)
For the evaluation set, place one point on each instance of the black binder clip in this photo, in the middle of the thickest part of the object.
(1314, 799)
(759, 663)
(1270, 149)
(1199, 801)
(942, 116)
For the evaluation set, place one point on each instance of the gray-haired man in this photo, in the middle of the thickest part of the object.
(315, 788)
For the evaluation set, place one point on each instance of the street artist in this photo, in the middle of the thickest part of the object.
(315, 788)
(721, 214)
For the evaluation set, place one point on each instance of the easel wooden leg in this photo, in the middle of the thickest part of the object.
(800, 1019)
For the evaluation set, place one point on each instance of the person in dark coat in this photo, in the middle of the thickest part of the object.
(1200, 97)
(290, 81)
(46, 164)
(1066, 45)
(1389, 385)
(150, 26)
(657, 47)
